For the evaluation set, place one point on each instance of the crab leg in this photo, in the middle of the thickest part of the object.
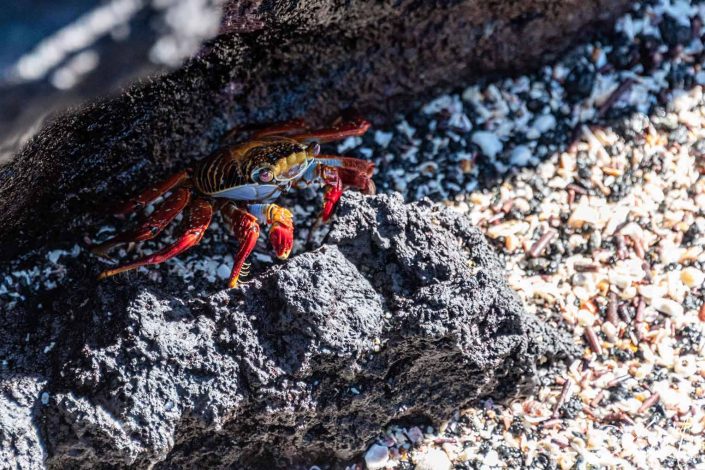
(339, 130)
(353, 172)
(281, 232)
(150, 194)
(339, 173)
(293, 126)
(246, 229)
(153, 225)
(194, 226)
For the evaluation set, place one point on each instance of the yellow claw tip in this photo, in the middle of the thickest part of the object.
(284, 256)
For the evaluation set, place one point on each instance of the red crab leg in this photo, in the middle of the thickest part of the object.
(339, 130)
(294, 126)
(281, 128)
(194, 226)
(150, 194)
(246, 229)
(339, 173)
(153, 225)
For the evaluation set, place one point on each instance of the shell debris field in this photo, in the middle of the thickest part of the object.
(603, 235)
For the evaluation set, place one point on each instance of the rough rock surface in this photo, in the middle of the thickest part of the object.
(274, 60)
(403, 315)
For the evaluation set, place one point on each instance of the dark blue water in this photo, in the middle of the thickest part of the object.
(24, 23)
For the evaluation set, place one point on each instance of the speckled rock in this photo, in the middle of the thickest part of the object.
(402, 316)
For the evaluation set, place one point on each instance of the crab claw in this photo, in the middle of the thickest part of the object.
(281, 237)
(281, 233)
(339, 173)
(330, 199)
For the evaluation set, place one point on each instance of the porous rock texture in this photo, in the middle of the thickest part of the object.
(274, 60)
(402, 315)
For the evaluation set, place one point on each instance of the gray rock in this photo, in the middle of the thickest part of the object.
(402, 316)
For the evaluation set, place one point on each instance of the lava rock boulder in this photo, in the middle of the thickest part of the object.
(402, 315)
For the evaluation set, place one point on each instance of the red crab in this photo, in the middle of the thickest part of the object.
(243, 181)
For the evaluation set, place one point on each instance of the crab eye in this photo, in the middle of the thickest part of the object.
(263, 175)
(315, 148)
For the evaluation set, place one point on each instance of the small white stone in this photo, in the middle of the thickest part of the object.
(692, 277)
(610, 331)
(491, 458)
(670, 253)
(521, 155)
(223, 271)
(585, 317)
(488, 142)
(700, 77)
(619, 215)
(676, 288)
(383, 138)
(544, 123)
(651, 291)
(376, 456)
(54, 255)
(666, 354)
(432, 459)
(686, 366)
(414, 434)
(583, 214)
(667, 307)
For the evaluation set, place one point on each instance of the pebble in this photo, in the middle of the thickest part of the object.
(415, 434)
(224, 271)
(520, 156)
(488, 142)
(383, 138)
(432, 459)
(667, 306)
(584, 214)
(491, 458)
(376, 456)
(541, 124)
(692, 277)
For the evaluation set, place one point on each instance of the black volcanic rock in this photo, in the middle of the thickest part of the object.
(272, 61)
(403, 315)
